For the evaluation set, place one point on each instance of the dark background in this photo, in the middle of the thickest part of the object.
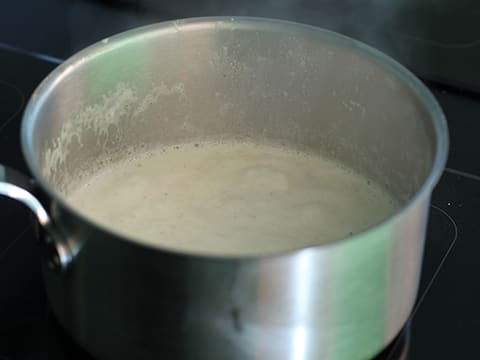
(437, 39)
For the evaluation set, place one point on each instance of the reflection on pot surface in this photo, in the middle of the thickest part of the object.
(348, 114)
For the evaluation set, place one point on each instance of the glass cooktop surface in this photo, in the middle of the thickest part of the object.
(443, 325)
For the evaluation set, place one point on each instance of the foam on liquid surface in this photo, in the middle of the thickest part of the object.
(231, 198)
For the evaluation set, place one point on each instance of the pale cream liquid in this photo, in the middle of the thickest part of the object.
(231, 198)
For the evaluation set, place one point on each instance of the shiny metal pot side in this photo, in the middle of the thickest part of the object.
(232, 78)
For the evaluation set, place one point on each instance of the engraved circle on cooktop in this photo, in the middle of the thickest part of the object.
(446, 227)
(442, 234)
(12, 101)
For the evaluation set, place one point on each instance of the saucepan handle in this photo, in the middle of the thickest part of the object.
(17, 186)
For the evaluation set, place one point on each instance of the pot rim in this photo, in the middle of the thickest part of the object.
(43, 90)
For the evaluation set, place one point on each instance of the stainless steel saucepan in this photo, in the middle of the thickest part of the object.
(231, 78)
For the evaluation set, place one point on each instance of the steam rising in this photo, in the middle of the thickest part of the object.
(368, 20)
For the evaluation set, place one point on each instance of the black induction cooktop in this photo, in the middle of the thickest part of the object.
(443, 325)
